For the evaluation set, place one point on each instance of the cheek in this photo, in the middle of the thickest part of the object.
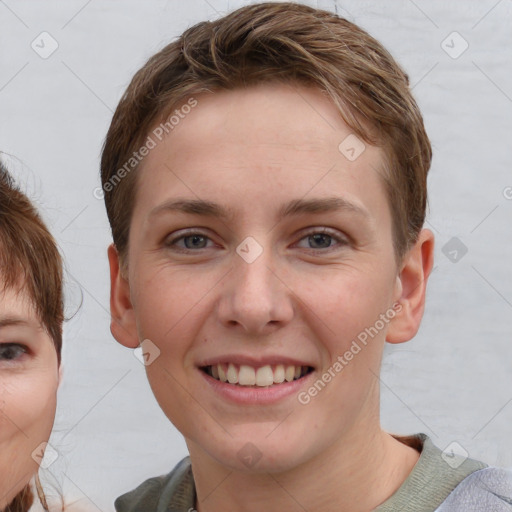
(27, 412)
(168, 306)
(29, 401)
(346, 304)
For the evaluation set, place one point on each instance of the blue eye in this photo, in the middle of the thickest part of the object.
(11, 351)
(321, 239)
(191, 241)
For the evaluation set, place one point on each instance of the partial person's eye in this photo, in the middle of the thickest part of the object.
(323, 239)
(11, 351)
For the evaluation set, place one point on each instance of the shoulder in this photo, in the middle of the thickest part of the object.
(434, 477)
(172, 492)
(487, 489)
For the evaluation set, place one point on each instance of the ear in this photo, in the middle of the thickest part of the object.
(411, 288)
(122, 316)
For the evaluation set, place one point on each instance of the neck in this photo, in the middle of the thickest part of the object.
(363, 471)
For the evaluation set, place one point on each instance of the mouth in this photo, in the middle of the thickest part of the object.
(256, 377)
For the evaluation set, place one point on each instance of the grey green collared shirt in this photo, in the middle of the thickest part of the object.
(436, 483)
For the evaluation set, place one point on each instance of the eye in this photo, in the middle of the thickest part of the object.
(11, 351)
(188, 242)
(323, 239)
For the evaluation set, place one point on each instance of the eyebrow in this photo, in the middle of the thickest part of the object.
(294, 207)
(10, 321)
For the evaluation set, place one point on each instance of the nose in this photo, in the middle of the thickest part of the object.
(255, 297)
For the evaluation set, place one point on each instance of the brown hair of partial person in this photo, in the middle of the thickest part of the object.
(22, 502)
(278, 42)
(30, 260)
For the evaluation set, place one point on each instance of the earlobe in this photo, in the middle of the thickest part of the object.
(122, 316)
(411, 289)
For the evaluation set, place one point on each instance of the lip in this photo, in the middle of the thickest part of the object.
(255, 362)
(245, 395)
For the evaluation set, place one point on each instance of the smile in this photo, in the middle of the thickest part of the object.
(263, 376)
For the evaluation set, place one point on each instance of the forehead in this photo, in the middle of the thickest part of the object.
(270, 142)
(274, 117)
(15, 302)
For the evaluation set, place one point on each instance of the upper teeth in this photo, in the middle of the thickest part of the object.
(245, 375)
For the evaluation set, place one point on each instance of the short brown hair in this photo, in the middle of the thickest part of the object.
(29, 257)
(285, 42)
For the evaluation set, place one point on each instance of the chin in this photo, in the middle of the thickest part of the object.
(259, 454)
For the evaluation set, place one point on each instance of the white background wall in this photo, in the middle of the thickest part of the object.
(453, 381)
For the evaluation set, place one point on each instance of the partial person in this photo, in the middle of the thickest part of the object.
(31, 318)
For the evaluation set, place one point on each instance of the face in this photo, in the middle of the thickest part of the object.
(29, 378)
(258, 253)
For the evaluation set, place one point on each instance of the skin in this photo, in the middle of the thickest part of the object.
(29, 378)
(253, 151)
